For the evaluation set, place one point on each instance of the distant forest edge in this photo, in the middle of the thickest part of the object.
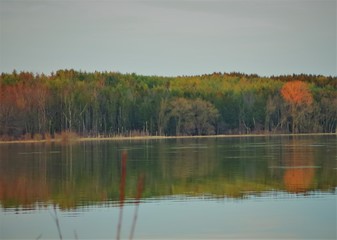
(38, 106)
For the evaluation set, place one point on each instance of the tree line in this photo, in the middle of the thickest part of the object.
(112, 103)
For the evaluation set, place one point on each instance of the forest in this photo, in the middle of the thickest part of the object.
(109, 104)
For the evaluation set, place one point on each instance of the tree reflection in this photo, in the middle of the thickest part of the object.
(22, 191)
(90, 173)
(299, 167)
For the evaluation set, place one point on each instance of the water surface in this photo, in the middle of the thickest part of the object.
(249, 187)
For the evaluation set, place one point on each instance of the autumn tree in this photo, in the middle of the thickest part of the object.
(272, 116)
(251, 109)
(193, 116)
(325, 111)
(40, 98)
(8, 111)
(299, 98)
(163, 115)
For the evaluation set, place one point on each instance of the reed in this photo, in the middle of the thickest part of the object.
(48, 137)
(140, 187)
(68, 136)
(57, 223)
(121, 193)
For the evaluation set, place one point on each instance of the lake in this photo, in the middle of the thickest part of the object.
(193, 188)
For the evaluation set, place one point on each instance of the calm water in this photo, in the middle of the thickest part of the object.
(257, 187)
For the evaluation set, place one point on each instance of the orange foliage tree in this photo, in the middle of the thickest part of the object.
(297, 94)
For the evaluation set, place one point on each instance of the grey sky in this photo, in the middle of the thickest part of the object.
(169, 37)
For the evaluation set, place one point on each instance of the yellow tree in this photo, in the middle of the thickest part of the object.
(299, 98)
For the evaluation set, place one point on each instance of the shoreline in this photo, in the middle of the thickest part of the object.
(142, 138)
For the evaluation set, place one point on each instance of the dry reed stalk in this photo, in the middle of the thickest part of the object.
(122, 193)
(57, 223)
(140, 187)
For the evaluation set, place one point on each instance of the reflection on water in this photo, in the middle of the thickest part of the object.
(87, 175)
(89, 172)
(300, 169)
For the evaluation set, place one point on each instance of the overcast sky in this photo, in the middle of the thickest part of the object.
(267, 37)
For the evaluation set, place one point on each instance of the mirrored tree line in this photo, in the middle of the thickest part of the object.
(115, 104)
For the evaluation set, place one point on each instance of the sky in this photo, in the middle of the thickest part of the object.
(169, 38)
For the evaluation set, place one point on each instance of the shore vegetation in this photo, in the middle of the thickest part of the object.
(69, 104)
